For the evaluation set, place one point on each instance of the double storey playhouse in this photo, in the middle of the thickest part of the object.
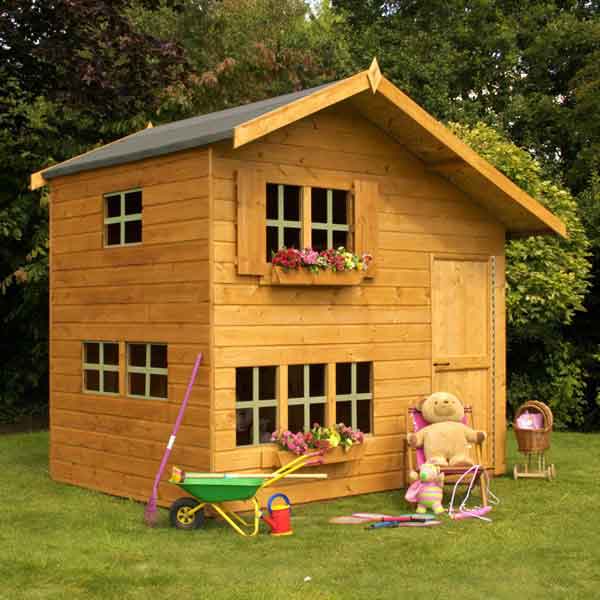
(161, 247)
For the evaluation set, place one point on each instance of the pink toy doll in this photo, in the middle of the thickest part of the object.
(428, 489)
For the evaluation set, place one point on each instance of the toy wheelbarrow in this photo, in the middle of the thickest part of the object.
(211, 489)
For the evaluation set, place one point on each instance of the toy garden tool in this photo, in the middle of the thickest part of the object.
(150, 513)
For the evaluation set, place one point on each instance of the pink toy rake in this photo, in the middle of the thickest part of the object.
(151, 514)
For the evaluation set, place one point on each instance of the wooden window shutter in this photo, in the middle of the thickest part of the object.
(366, 225)
(251, 222)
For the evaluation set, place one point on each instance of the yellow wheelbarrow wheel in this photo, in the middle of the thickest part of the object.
(181, 514)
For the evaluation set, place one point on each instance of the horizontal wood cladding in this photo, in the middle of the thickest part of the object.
(314, 315)
(146, 293)
(124, 256)
(319, 334)
(133, 313)
(363, 295)
(344, 352)
(124, 446)
(160, 332)
(128, 427)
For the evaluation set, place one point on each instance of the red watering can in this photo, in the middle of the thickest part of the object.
(279, 515)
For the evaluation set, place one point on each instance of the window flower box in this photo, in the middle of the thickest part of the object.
(330, 457)
(281, 276)
(332, 267)
(338, 444)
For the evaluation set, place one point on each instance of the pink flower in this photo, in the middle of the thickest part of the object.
(309, 256)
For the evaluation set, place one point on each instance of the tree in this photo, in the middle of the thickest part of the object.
(73, 73)
(248, 50)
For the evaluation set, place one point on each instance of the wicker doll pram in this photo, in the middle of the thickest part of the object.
(534, 443)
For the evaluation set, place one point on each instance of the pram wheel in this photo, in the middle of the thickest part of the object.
(181, 516)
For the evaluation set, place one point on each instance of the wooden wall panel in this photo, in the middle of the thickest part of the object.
(157, 291)
(386, 320)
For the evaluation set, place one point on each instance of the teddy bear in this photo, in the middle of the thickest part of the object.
(446, 439)
(427, 489)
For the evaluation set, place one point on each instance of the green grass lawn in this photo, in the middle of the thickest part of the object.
(58, 541)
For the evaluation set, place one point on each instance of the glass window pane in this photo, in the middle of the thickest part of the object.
(158, 386)
(272, 242)
(340, 207)
(291, 237)
(133, 203)
(113, 234)
(137, 384)
(319, 239)
(363, 377)
(272, 201)
(111, 382)
(296, 418)
(137, 355)
(267, 423)
(113, 206)
(291, 203)
(340, 238)
(111, 354)
(343, 384)
(92, 353)
(296, 381)
(267, 380)
(133, 232)
(363, 415)
(92, 380)
(243, 384)
(317, 414)
(343, 412)
(318, 202)
(158, 356)
(317, 380)
(243, 426)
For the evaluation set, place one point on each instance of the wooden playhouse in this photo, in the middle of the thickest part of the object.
(160, 248)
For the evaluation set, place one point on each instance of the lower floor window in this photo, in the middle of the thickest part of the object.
(147, 370)
(306, 396)
(306, 399)
(101, 367)
(256, 404)
(353, 395)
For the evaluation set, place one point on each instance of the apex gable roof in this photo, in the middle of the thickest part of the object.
(373, 96)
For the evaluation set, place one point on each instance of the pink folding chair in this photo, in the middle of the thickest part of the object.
(416, 456)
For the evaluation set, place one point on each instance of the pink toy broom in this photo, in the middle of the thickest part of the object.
(151, 514)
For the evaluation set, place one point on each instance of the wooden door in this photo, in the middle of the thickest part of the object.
(461, 289)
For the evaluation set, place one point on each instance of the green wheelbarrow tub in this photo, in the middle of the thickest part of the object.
(222, 490)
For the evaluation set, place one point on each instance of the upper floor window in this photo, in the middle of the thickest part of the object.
(329, 219)
(284, 217)
(303, 217)
(123, 218)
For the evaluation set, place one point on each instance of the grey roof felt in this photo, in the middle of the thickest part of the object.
(173, 137)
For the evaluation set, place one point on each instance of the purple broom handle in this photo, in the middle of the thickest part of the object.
(171, 441)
